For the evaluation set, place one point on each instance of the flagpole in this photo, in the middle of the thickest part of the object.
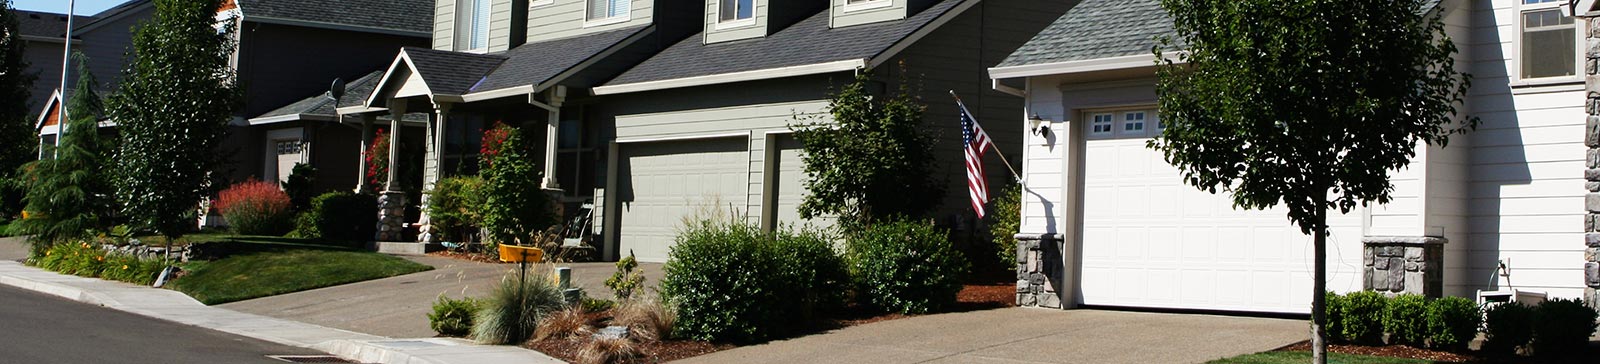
(998, 152)
(66, 58)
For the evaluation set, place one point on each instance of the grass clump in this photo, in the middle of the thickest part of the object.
(246, 276)
(512, 312)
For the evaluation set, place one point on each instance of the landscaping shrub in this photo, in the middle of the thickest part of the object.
(452, 317)
(1005, 220)
(455, 208)
(515, 206)
(299, 186)
(590, 304)
(729, 281)
(1453, 322)
(905, 266)
(563, 324)
(1361, 319)
(646, 317)
(256, 208)
(340, 217)
(1507, 326)
(1404, 319)
(87, 259)
(815, 271)
(1335, 311)
(627, 278)
(512, 312)
(1562, 326)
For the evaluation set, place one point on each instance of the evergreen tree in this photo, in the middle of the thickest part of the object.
(69, 196)
(176, 99)
(18, 138)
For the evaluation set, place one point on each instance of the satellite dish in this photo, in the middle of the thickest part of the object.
(337, 89)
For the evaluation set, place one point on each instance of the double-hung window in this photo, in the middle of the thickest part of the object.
(608, 9)
(735, 10)
(1549, 44)
(472, 31)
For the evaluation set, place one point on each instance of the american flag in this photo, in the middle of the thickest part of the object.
(976, 143)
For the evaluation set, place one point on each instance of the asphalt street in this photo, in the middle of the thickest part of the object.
(41, 329)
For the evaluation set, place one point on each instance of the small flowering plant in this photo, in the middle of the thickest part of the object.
(378, 161)
(256, 208)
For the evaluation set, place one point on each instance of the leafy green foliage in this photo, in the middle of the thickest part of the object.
(1404, 319)
(1453, 322)
(69, 196)
(1506, 327)
(906, 266)
(251, 275)
(1362, 317)
(1335, 310)
(1562, 327)
(302, 179)
(455, 207)
(591, 304)
(87, 259)
(873, 159)
(1005, 220)
(512, 312)
(176, 98)
(628, 278)
(452, 317)
(515, 206)
(340, 217)
(730, 281)
(18, 138)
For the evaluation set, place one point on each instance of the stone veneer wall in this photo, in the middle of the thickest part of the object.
(1404, 264)
(1591, 221)
(1039, 270)
(391, 216)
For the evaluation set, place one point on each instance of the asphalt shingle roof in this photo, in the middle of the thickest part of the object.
(44, 24)
(535, 63)
(809, 41)
(451, 73)
(403, 15)
(355, 92)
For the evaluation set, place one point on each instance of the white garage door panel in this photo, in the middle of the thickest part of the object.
(1149, 240)
(670, 180)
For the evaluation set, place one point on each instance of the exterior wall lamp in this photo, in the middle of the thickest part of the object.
(1037, 125)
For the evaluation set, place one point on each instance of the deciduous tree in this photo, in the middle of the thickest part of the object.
(18, 139)
(872, 160)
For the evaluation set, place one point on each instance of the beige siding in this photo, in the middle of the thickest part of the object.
(844, 16)
(756, 29)
(566, 18)
(444, 21)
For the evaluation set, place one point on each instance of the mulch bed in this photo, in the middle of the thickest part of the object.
(476, 257)
(1391, 351)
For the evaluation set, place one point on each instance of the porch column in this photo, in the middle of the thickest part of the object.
(432, 166)
(557, 95)
(392, 202)
(366, 145)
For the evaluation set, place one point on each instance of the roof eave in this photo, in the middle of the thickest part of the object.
(1080, 66)
(334, 26)
(756, 75)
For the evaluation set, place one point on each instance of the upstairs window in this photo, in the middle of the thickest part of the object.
(472, 33)
(736, 10)
(1549, 41)
(608, 9)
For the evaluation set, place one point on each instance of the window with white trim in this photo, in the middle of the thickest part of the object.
(472, 25)
(736, 10)
(1549, 43)
(608, 9)
(1101, 124)
(1133, 122)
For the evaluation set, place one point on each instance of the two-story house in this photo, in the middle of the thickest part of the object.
(1108, 222)
(653, 109)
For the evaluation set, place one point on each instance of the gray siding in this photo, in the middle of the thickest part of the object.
(844, 18)
(44, 61)
(566, 18)
(756, 30)
(444, 21)
(281, 64)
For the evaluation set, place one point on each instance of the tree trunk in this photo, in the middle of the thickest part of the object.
(1319, 302)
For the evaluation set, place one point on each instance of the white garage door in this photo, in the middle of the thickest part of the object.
(1149, 240)
(661, 182)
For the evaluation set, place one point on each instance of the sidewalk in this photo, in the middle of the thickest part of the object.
(177, 307)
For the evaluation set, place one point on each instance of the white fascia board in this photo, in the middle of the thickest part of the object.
(1088, 65)
(558, 78)
(334, 26)
(682, 137)
(49, 130)
(495, 94)
(383, 81)
(920, 33)
(359, 109)
(810, 69)
(289, 118)
(55, 97)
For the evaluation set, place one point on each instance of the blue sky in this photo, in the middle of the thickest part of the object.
(84, 7)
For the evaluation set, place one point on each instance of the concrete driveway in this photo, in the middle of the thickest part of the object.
(1025, 335)
(399, 306)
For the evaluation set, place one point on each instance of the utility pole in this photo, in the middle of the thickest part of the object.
(66, 59)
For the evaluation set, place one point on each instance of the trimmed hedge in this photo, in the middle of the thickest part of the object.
(1404, 319)
(1453, 322)
(1507, 326)
(730, 281)
(1335, 311)
(905, 266)
(1361, 319)
(341, 218)
(1562, 326)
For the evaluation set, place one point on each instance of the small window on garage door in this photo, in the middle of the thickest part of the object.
(1123, 123)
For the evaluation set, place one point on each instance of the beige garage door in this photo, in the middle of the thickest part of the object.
(788, 188)
(661, 182)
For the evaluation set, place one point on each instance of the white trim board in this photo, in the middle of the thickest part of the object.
(810, 69)
(1088, 65)
(682, 137)
(289, 118)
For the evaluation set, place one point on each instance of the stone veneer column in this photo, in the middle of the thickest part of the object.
(1039, 268)
(1404, 264)
(1591, 175)
(392, 201)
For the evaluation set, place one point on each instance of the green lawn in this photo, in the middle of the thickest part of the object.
(283, 270)
(1300, 357)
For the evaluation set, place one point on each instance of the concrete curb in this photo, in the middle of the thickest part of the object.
(176, 307)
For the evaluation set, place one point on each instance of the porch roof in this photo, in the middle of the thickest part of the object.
(323, 108)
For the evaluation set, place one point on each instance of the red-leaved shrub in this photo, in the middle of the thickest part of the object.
(256, 208)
